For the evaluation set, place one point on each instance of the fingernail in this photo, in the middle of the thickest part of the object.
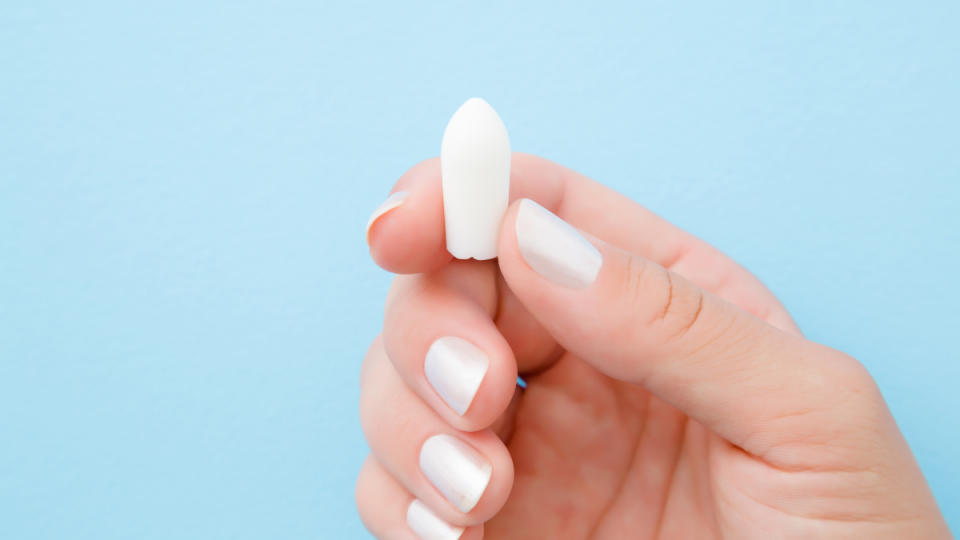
(554, 249)
(455, 368)
(458, 471)
(426, 525)
(394, 200)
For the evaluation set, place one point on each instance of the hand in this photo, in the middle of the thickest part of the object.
(669, 394)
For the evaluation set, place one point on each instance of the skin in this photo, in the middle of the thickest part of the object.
(672, 398)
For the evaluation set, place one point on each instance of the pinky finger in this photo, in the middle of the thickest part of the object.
(390, 512)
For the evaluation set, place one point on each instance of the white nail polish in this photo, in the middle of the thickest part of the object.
(458, 471)
(427, 525)
(554, 249)
(393, 201)
(475, 166)
(455, 368)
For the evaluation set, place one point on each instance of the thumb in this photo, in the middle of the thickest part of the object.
(755, 385)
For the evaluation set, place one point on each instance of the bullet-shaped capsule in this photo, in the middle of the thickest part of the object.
(475, 166)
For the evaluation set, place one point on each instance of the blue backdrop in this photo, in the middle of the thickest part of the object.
(185, 292)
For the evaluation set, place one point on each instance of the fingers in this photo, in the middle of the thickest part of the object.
(406, 233)
(440, 336)
(390, 512)
(408, 236)
(464, 478)
(636, 321)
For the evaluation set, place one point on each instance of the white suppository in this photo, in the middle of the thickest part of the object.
(475, 166)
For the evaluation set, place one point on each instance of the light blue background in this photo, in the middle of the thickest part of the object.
(185, 293)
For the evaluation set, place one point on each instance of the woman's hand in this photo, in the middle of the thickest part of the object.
(669, 393)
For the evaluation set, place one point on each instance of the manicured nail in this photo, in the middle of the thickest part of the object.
(554, 249)
(426, 525)
(458, 471)
(393, 201)
(455, 368)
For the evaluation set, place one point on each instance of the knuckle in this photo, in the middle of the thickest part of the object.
(376, 419)
(365, 368)
(679, 308)
(631, 278)
(402, 290)
(663, 305)
(851, 378)
(369, 499)
(361, 495)
(639, 282)
(366, 413)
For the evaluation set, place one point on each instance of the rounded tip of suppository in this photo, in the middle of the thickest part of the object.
(476, 104)
(476, 118)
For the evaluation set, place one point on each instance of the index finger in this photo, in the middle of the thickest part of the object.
(407, 236)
